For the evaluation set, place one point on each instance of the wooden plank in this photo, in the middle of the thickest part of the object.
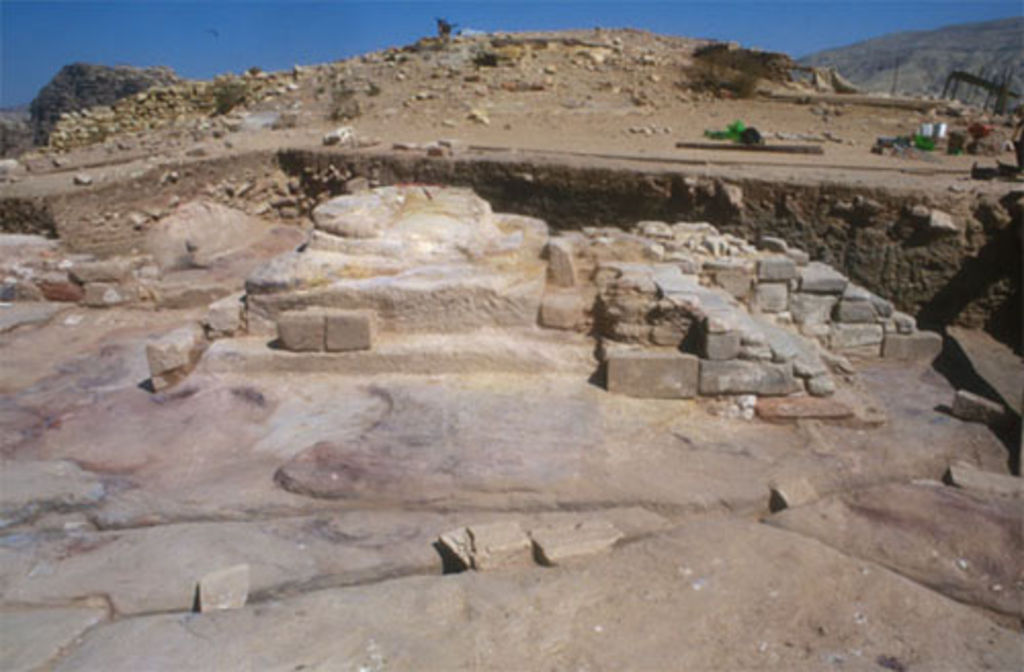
(735, 147)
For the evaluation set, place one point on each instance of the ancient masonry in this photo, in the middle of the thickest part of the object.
(166, 106)
(429, 280)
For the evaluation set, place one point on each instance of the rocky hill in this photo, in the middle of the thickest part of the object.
(925, 58)
(15, 131)
(81, 85)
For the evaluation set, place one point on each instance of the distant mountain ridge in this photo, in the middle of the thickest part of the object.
(925, 58)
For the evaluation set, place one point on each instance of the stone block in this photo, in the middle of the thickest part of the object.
(104, 294)
(808, 366)
(969, 477)
(771, 297)
(720, 346)
(357, 185)
(942, 222)
(821, 385)
(971, 407)
(176, 350)
(736, 281)
(184, 294)
(557, 543)
(501, 544)
(668, 334)
(62, 291)
(744, 377)
(905, 324)
(224, 316)
(489, 545)
(790, 491)
(562, 310)
(776, 269)
(811, 308)
(802, 408)
(347, 330)
(921, 346)
(343, 135)
(772, 244)
(302, 330)
(117, 269)
(856, 336)
(653, 374)
(561, 263)
(758, 353)
(855, 312)
(223, 589)
(854, 293)
(819, 278)
(457, 545)
(799, 257)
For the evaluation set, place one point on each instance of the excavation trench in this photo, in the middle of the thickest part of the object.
(876, 236)
(880, 237)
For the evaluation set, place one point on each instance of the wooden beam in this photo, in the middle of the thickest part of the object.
(736, 147)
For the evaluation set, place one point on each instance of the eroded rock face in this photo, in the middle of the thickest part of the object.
(966, 546)
(422, 258)
(198, 232)
(415, 224)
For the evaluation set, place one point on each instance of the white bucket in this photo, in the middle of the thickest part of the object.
(940, 131)
(925, 130)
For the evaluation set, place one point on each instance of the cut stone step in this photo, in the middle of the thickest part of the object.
(531, 351)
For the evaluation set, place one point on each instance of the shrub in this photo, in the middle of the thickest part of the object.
(228, 94)
(719, 69)
(344, 104)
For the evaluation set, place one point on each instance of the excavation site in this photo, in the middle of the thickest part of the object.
(513, 351)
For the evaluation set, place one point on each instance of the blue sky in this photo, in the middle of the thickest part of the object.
(201, 39)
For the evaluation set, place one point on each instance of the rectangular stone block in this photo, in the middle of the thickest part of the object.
(856, 336)
(969, 477)
(799, 257)
(178, 349)
(802, 408)
(811, 308)
(720, 346)
(920, 346)
(347, 330)
(744, 377)
(856, 312)
(819, 278)
(652, 374)
(113, 270)
(224, 589)
(554, 544)
(503, 544)
(561, 263)
(776, 269)
(561, 310)
(224, 316)
(972, 407)
(855, 293)
(771, 297)
(736, 281)
(302, 330)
